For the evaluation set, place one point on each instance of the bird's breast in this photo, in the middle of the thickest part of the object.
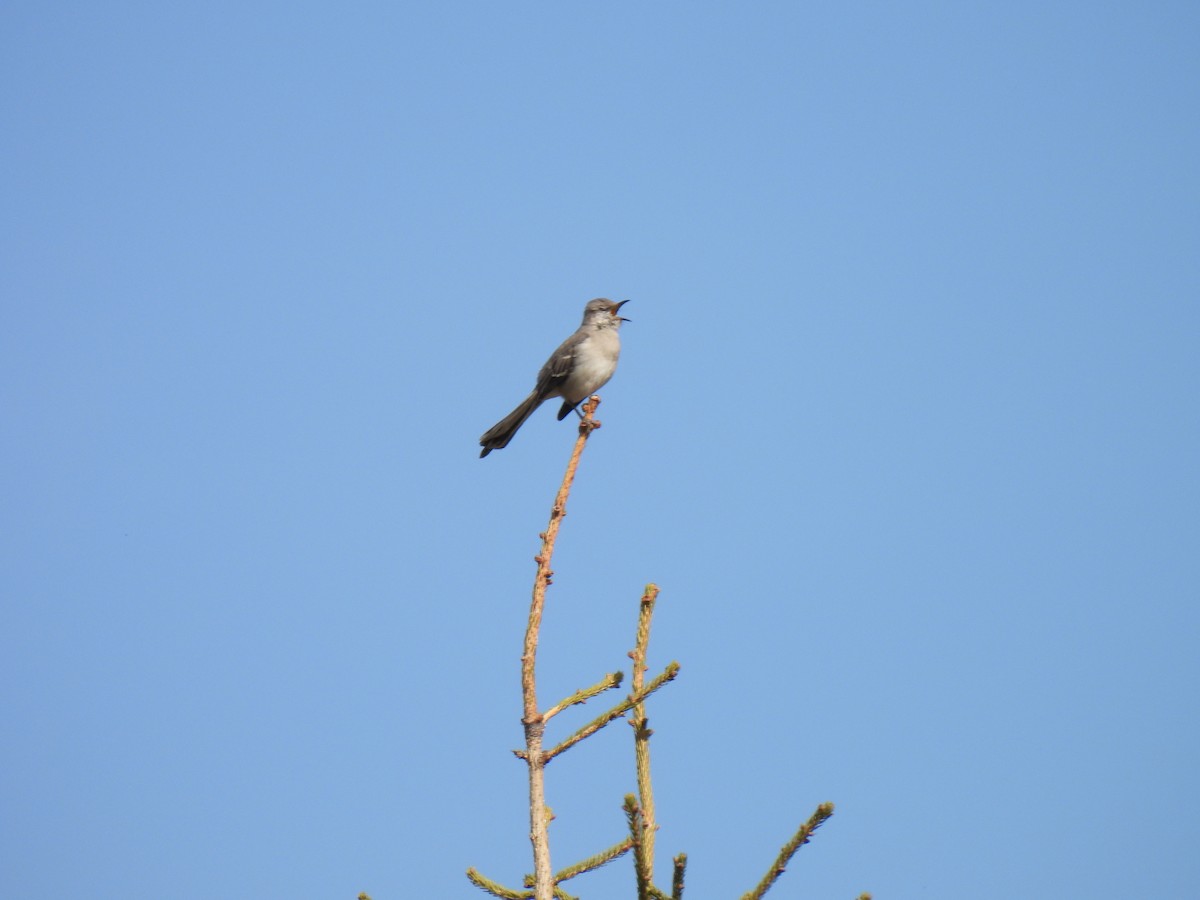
(595, 361)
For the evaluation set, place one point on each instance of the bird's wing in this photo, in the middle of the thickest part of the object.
(554, 373)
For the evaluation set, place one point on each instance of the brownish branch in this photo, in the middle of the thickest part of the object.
(533, 720)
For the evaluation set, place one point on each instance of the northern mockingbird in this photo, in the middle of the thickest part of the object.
(581, 365)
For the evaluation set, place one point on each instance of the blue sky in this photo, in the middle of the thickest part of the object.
(905, 428)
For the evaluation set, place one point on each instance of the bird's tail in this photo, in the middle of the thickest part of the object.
(502, 432)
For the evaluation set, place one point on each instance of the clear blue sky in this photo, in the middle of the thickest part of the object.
(906, 428)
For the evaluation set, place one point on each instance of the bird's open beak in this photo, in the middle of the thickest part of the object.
(617, 309)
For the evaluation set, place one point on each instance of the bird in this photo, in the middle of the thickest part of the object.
(581, 365)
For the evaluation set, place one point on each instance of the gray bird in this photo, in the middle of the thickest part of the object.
(581, 365)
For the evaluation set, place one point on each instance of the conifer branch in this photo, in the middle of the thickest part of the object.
(595, 862)
(609, 681)
(496, 890)
(616, 712)
(680, 862)
(641, 730)
(799, 839)
(533, 721)
(637, 830)
(543, 883)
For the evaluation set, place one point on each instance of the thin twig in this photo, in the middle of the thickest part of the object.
(799, 839)
(641, 731)
(594, 862)
(637, 831)
(616, 712)
(677, 877)
(534, 721)
(584, 695)
(496, 890)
